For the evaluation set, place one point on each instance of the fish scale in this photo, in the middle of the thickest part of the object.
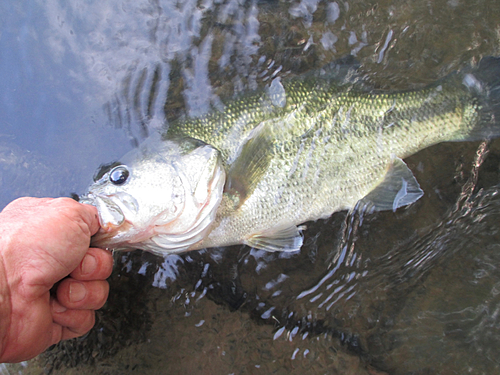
(305, 148)
(365, 131)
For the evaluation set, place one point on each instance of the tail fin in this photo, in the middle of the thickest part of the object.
(484, 83)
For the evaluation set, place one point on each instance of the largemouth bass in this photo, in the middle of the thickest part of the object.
(270, 161)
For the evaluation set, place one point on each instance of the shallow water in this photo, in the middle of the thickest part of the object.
(410, 292)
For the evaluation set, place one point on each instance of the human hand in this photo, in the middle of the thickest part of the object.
(42, 241)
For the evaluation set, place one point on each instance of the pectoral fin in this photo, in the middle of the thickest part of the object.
(251, 163)
(278, 239)
(399, 188)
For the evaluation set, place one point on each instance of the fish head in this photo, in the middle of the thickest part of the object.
(161, 197)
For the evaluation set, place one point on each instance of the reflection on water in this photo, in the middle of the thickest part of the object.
(405, 292)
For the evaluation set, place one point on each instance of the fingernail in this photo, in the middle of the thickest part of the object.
(89, 264)
(58, 308)
(77, 291)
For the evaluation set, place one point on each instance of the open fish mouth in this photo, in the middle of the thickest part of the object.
(112, 219)
(110, 213)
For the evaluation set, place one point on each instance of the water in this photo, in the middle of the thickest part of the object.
(410, 292)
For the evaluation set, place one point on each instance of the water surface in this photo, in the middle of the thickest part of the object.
(414, 291)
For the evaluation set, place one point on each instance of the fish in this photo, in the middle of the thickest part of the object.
(168, 190)
(269, 161)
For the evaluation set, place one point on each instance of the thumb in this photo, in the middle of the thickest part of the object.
(91, 218)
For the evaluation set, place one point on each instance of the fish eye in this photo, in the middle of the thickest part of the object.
(105, 168)
(119, 175)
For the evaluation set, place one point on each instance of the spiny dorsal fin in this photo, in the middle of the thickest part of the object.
(287, 238)
(399, 188)
(276, 93)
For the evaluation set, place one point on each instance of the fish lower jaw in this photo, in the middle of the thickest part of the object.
(124, 237)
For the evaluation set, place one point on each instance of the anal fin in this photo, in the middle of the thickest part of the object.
(399, 188)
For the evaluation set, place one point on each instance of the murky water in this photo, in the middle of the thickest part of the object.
(411, 292)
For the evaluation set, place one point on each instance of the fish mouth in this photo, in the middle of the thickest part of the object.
(110, 213)
(111, 220)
